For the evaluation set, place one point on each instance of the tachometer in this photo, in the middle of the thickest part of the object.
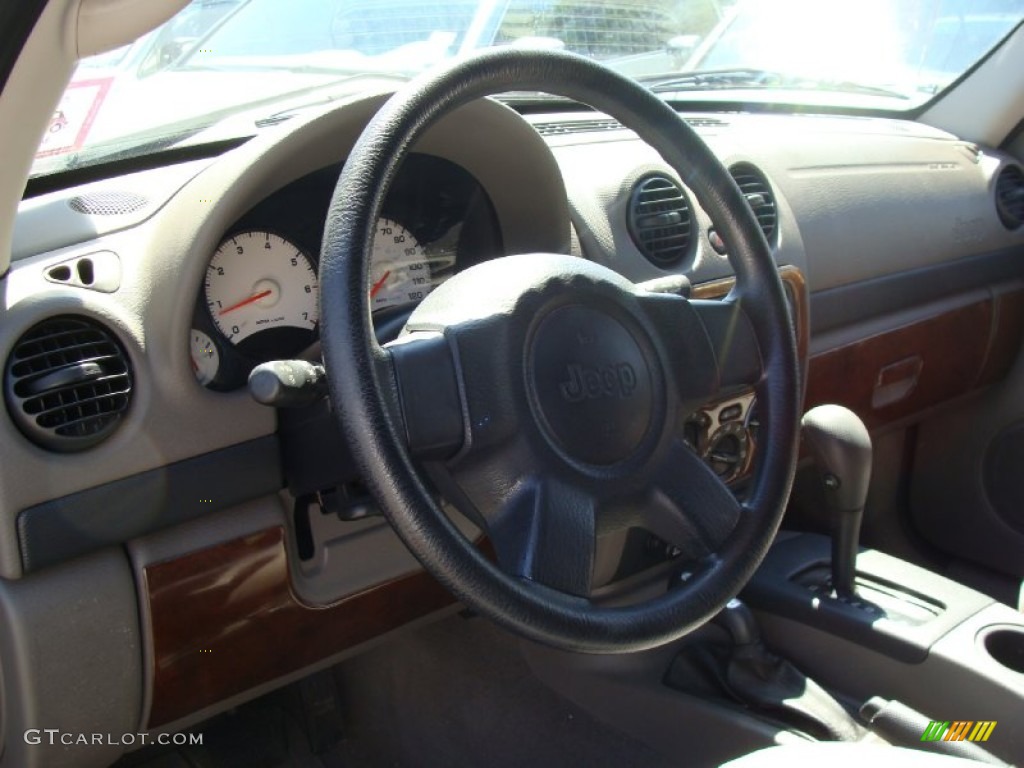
(259, 281)
(400, 269)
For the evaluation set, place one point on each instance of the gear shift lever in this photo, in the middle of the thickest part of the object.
(841, 448)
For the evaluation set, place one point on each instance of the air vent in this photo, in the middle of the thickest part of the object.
(115, 203)
(660, 220)
(756, 189)
(67, 383)
(566, 127)
(1010, 196)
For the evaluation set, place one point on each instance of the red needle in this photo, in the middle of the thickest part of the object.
(379, 284)
(245, 302)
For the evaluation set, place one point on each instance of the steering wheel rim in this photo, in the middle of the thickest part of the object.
(367, 393)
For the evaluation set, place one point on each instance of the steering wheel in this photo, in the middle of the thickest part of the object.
(545, 396)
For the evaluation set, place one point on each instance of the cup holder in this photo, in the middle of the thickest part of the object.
(1006, 645)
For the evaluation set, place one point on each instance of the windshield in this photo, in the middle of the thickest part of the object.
(225, 68)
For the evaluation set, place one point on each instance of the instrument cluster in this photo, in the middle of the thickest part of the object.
(259, 298)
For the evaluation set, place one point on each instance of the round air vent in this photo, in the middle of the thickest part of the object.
(114, 203)
(1010, 196)
(758, 192)
(67, 383)
(660, 220)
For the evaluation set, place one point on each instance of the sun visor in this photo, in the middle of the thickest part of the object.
(107, 24)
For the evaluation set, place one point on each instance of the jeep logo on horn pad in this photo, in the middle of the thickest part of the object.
(589, 383)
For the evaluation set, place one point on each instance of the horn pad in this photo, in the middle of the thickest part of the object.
(591, 383)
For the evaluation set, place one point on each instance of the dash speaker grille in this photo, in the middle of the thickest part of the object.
(115, 203)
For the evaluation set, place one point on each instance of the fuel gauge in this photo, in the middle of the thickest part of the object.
(205, 357)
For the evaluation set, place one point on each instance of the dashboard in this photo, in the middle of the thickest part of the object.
(906, 293)
(210, 268)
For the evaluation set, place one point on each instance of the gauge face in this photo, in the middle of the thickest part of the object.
(205, 357)
(258, 281)
(401, 271)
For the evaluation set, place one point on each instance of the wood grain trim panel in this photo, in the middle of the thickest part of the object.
(948, 355)
(226, 620)
(947, 351)
(713, 289)
(795, 283)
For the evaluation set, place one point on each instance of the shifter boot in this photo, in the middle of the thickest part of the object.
(748, 672)
(763, 680)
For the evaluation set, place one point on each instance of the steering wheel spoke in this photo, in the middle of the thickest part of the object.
(732, 337)
(425, 394)
(546, 533)
(690, 507)
(711, 346)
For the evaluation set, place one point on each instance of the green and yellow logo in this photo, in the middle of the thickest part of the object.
(958, 730)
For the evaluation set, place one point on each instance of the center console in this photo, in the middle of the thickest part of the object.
(909, 635)
(867, 625)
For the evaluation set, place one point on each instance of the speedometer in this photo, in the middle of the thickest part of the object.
(400, 268)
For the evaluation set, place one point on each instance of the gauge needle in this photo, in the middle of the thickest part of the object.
(245, 302)
(376, 286)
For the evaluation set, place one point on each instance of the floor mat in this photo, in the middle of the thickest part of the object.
(453, 693)
(458, 693)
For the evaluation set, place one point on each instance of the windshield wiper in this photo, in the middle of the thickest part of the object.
(752, 78)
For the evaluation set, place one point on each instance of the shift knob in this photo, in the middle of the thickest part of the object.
(841, 448)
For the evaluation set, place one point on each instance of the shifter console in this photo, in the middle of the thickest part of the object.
(901, 631)
(886, 604)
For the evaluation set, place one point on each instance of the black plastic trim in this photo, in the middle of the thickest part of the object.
(58, 530)
(1012, 136)
(774, 589)
(850, 304)
(108, 169)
